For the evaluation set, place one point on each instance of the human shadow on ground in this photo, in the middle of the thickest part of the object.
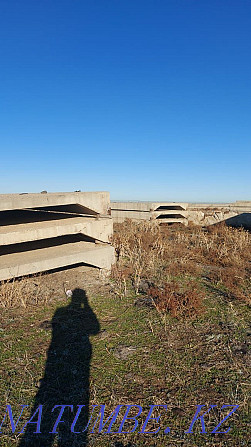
(66, 376)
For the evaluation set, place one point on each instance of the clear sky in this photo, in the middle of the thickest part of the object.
(148, 99)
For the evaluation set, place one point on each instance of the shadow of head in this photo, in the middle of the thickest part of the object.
(79, 298)
(79, 314)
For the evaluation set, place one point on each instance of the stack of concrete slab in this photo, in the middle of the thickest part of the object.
(163, 212)
(235, 214)
(41, 232)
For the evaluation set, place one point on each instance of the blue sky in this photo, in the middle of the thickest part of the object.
(148, 99)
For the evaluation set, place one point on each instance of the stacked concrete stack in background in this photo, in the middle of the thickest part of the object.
(40, 232)
(236, 214)
(164, 212)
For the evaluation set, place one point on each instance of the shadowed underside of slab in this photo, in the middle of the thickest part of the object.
(20, 264)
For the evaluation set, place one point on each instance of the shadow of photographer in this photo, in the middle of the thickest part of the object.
(66, 376)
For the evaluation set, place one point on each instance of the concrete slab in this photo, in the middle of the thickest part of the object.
(172, 221)
(147, 206)
(149, 211)
(182, 212)
(131, 206)
(168, 206)
(169, 213)
(99, 202)
(20, 264)
(40, 232)
(121, 215)
(100, 229)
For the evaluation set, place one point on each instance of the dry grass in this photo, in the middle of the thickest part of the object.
(21, 292)
(177, 262)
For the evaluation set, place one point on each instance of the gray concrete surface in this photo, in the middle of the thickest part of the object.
(20, 264)
(40, 232)
(97, 202)
(99, 229)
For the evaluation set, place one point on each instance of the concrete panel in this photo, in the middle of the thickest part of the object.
(168, 206)
(195, 206)
(40, 232)
(170, 221)
(135, 215)
(169, 213)
(146, 206)
(20, 264)
(182, 212)
(148, 211)
(99, 202)
(100, 229)
(131, 206)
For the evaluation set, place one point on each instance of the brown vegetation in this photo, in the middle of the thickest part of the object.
(21, 292)
(179, 263)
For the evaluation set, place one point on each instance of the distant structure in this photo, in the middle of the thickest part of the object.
(235, 214)
(164, 212)
(40, 232)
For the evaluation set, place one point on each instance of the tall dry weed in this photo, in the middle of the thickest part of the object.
(22, 292)
(160, 254)
(140, 250)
